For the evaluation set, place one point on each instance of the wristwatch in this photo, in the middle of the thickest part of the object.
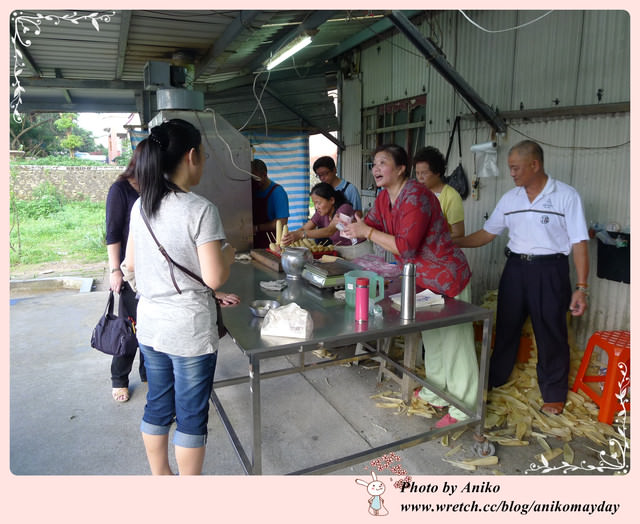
(114, 269)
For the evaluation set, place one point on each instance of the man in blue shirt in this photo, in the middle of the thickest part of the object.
(270, 203)
(325, 169)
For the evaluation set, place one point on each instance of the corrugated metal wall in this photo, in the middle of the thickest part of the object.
(565, 59)
(608, 51)
(350, 161)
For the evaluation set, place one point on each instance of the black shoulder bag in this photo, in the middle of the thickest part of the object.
(222, 330)
(458, 178)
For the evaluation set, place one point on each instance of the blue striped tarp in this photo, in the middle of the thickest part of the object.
(136, 136)
(287, 160)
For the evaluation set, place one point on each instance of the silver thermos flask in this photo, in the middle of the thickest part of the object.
(408, 297)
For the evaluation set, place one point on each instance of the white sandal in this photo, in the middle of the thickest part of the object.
(120, 394)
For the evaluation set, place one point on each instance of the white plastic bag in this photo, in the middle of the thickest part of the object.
(488, 164)
(289, 321)
(486, 159)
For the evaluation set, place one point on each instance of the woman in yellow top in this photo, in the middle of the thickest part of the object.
(430, 166)
(449, 352)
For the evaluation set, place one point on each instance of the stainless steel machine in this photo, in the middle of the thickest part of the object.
(226, 180)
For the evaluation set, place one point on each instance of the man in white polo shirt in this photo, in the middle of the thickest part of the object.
(546, 222)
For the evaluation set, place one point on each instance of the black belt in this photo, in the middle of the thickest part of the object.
(533, 258)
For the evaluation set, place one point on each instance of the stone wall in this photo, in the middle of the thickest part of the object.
(75, 182)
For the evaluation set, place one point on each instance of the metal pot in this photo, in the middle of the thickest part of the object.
(293, 261)
(260, 307)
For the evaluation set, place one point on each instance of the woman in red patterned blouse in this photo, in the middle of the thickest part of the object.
(407, 220)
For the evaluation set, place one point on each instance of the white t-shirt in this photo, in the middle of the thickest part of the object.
(550, 224)
(180, 324)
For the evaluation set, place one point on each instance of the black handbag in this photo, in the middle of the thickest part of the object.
(222, 330)
(114, 335)
(458, 178)
(458, 181)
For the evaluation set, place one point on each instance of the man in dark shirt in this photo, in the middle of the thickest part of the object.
(270, 203)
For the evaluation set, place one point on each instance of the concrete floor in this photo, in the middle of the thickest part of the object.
(63, 420)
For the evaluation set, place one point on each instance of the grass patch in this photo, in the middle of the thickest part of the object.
(71, 231)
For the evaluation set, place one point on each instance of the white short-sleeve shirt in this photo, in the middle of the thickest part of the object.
(180, 324)
(550, 224)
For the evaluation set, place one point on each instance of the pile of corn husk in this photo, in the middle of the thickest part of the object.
(513, 416)
(457, 454)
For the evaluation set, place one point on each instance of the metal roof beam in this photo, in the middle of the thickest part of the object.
(432, 54)
(65, 92)
(69, 83)
(563, 111)
(123, 41)
(85, 107)
(373, 30)
(233, 30)
(306, 120)
(248, 78)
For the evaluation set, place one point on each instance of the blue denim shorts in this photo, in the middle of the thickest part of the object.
(179, 389)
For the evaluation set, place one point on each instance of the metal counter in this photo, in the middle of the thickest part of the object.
(334, 326)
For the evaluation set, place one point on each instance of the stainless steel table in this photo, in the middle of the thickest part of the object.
(334, 326)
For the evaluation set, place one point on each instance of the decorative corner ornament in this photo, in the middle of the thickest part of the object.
(24, 24)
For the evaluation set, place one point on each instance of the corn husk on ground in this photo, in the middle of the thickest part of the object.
(513, 416)
(457, 455)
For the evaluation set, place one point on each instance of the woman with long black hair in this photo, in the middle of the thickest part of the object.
(177, 319)
(120, 199)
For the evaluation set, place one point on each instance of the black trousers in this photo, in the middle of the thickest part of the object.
(121, 366)
(542, 290)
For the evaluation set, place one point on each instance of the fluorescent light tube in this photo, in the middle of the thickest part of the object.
(290, 49)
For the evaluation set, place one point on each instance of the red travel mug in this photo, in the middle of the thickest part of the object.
(362, 300)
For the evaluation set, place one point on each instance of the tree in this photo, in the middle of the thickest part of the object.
(67, 123)
(89, 142)
(126, 155)
(35, 134)
(39, 135)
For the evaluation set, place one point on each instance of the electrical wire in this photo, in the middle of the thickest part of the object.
(264, 115)
(504, 30)
(575, 148)
(206, 138)
(259, 102)
(295, 68)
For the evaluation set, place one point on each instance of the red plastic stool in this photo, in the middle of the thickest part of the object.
(617, 346)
